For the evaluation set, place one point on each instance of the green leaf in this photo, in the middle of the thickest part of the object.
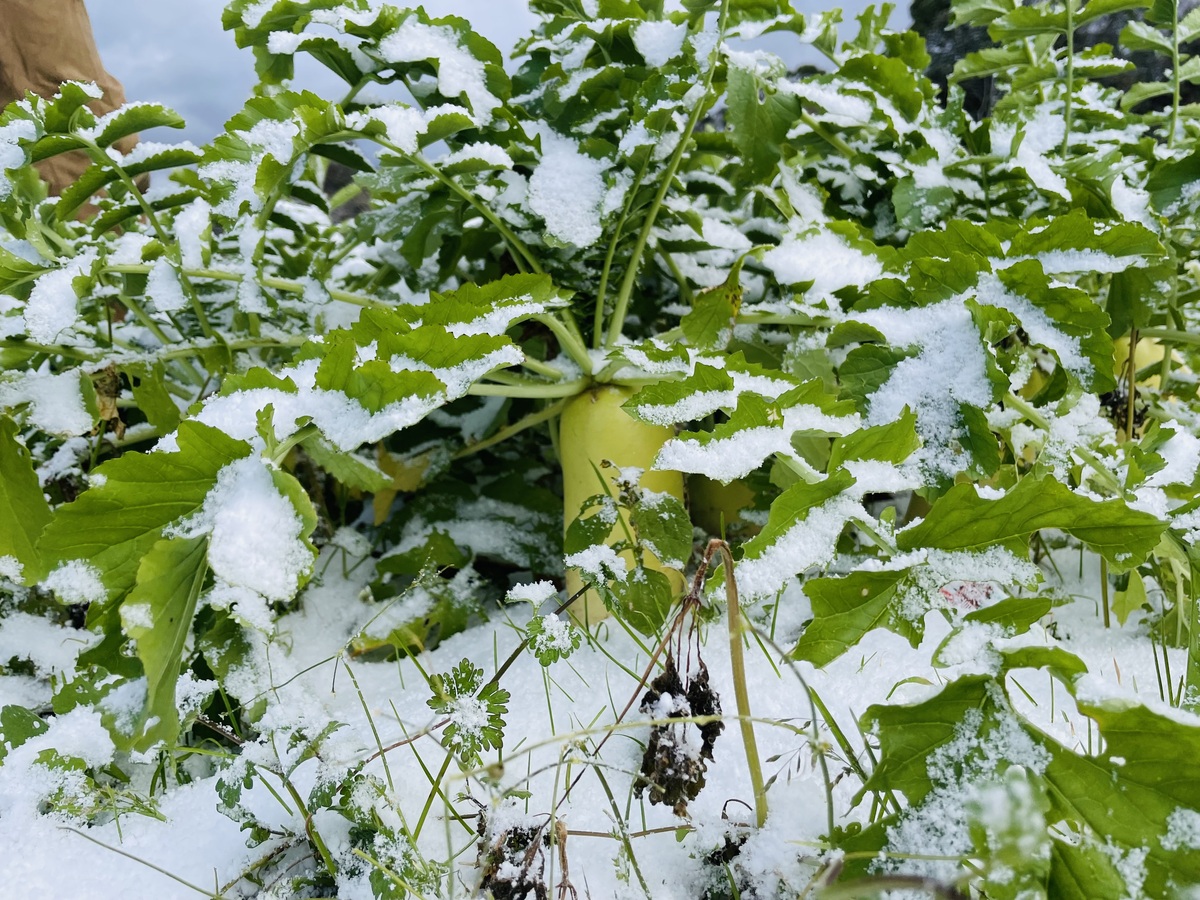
(791, 507)
(1143, 91)
(1140, 36)
(962, 520)
(149, 386)
(1028, 21)
(16, 269)
(643, 599)
(1007, 824)
(1084, 872)
(492, 307)
(845, 609)
(1094, 9)
(893, 442)
(69, 108)
(773, 425)
(1148, 772)
(694, 396)
(17, 725)
(1168, 182)
(865, 370)
(759, 117)
(113, 526)
(23, 508)
(1131, 599)
(1017, 614)
(709, 323)
(979, 12)
(135, 117)
(909, 734)
(591, 530)
(157, 615)
(663, 525)
(551, 639)
(452, 694)
(350, 469)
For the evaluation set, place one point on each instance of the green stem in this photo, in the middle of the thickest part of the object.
(1174, 335)
(313, 835)
(610, 255)
(1068, 110)
(1131, 383)
(741, 693)
(568, 339)
(1104, 591)
(267, 281)
(623, 830)
(180, 352)
(538, 367)
(532, 391)
(437, 782)
(101, 157)
(617, 324)
(522, 255)
(829, 137)
(1191, 693)
(529, 421)
(1174, 126)
(285, 446)
(685, 290)
(50, 349)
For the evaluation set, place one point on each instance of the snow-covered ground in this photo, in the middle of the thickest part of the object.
(182, 845)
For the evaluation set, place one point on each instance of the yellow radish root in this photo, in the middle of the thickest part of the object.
(595, 428)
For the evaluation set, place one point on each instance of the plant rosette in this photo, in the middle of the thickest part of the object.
(639, 251)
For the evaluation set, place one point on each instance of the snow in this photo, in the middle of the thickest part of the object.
(52, 307)
(10, 568)
(76, 582)
(1183, 830)
(190, 224)
(459, 73)
(1181, 452)
(296, 670)
(567, 190)
(11, 154)
(741, 452)
(55, 402)
(600, 562)
(537, 593)
(991, 291)
(659, 42)
(488, 153)
(402, 124)
(825, 259)
(164, 288)
(809, 543)
(1040, 137)
(255, 533)
(949, 370)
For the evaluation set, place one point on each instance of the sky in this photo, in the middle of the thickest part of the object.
(175, 52)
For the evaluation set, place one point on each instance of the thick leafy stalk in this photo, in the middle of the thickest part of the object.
(267, 281)
(617, 324)
(1174, 75)
(1069, 108)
